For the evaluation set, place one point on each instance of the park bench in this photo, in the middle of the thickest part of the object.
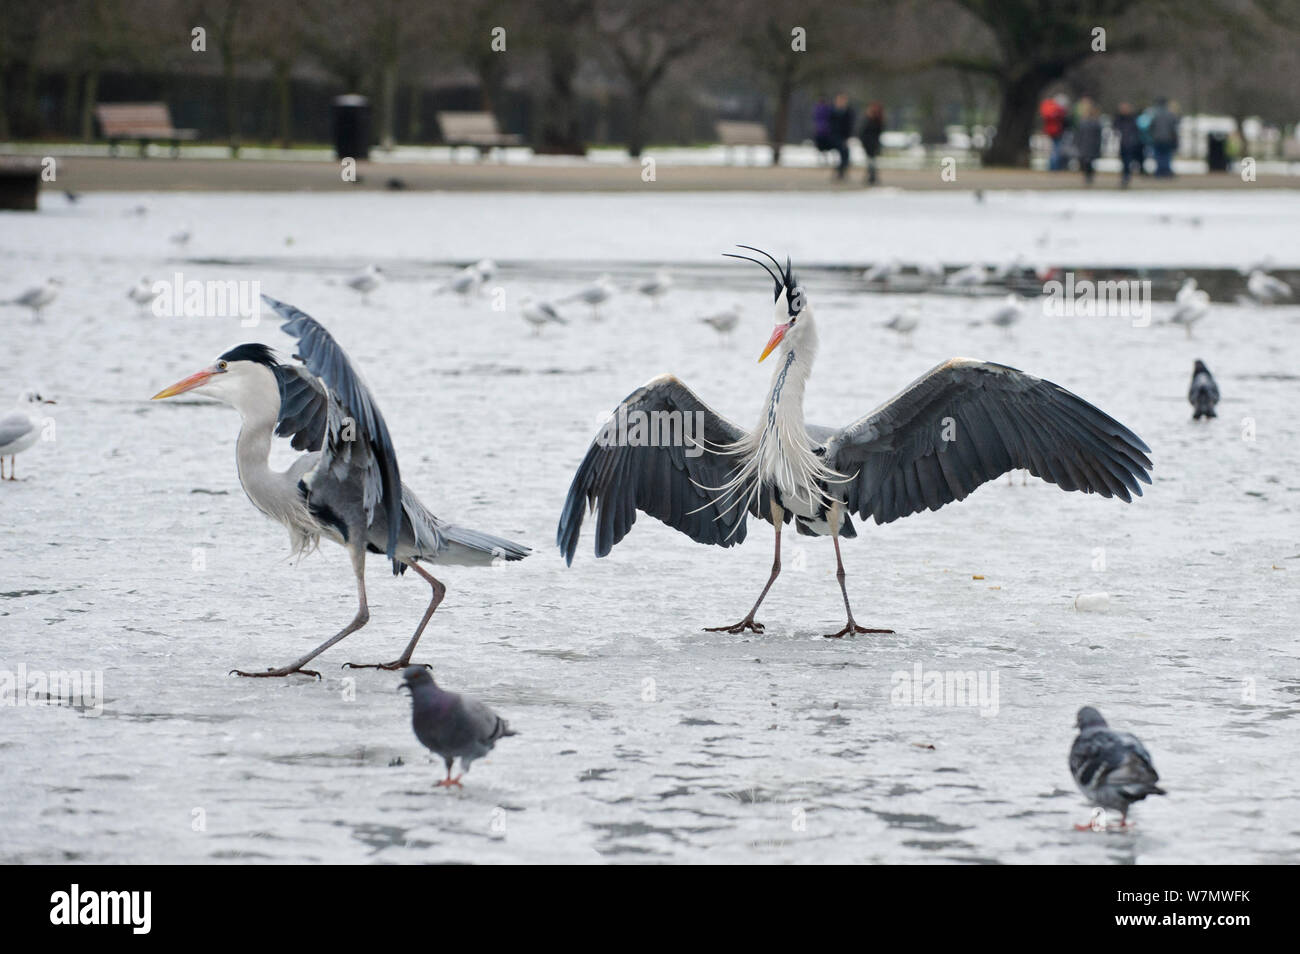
(139, 122)
(479, 130)
(734, 134)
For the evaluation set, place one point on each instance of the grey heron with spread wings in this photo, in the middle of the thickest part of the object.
(346, 487)
(962, 424)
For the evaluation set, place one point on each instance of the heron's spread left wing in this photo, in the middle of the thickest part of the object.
(966, 422)
(355, 437)
(674, 479)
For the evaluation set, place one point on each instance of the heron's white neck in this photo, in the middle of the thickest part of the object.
(258, 402)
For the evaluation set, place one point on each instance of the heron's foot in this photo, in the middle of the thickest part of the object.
(389, 666)
(276, 673)
(748, 623)
(448, 782)
(852, 629)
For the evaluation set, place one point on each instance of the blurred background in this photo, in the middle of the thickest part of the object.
(966, 77)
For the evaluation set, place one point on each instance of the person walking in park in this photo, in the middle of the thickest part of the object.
(1088, 137)
(841, 131)
(872, 128)
(1164, 137)
(1130, 142)
(822, 125)
(1055, 113)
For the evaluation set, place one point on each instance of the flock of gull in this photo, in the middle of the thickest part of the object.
(961, 424)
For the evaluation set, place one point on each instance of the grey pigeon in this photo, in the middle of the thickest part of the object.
(1204, 393)
(1112, 769)
(449, 724)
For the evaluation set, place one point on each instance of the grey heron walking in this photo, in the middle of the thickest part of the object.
(346, 487)
(963, 423)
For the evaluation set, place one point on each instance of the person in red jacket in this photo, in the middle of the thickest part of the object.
(1055, 114)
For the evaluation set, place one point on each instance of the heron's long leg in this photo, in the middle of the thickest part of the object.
(851, 627)
(362, 617)
(439, 591)
(749, 623)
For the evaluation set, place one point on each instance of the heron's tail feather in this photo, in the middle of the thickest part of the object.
(484, 542)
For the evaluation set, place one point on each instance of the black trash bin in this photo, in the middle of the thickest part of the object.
(1216, 152)
(351, 126)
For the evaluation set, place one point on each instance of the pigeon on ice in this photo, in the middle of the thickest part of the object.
(451, 725)
(1112, 769)
(1204, 393)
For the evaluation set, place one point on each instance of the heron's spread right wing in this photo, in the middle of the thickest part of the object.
(627, 470)
(14, 425)
(355, 438)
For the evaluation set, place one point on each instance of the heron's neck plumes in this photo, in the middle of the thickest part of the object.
(777, 453)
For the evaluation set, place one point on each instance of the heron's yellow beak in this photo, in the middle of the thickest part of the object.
(180, 387)
(777, 334)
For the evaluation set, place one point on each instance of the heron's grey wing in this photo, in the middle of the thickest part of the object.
(304, 407)
(14, 425)
(356, 437)
(618, 476)
(966, 422)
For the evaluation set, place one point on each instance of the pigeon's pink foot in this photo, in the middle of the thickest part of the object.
(448, 782)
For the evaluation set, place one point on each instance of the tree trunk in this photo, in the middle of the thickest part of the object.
(414, 128)
(1016, 118)
(561, 133)
(387, 104)
(89, 96)
(284, 103)
(781, 122)
(636, 130)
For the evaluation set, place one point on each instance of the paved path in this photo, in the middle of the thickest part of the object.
(249, 175)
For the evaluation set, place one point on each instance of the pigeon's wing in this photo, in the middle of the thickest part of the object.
(966, 422)
(669, 479)
(355, 444)
(14, 425)
(485, 725)
(1135, 769)
(1116, 759)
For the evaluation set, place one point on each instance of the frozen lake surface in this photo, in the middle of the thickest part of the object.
(129, 548)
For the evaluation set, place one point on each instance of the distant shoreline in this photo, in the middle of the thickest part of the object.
(132, 174)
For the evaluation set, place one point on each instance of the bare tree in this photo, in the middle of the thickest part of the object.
(791, 43)
(643, 39)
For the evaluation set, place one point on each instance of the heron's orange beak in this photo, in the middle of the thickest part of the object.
(777, 334)
(180, 387)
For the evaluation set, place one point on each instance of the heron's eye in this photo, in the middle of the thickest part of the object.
(222, 366)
